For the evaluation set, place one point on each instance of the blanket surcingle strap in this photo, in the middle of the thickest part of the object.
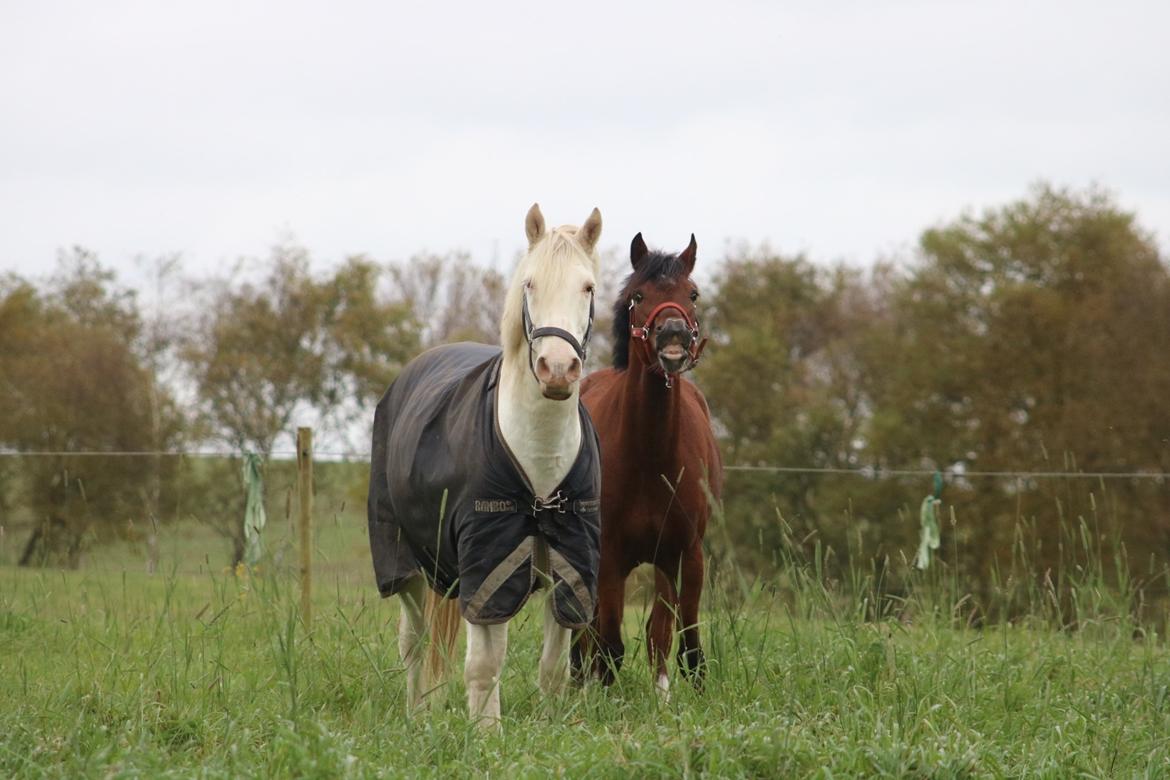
(448, 500)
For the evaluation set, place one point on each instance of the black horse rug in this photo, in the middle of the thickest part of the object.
(449, 501)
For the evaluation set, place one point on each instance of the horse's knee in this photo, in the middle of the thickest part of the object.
(692, 569)
(480, 672)
(478, 679)
(486, 646)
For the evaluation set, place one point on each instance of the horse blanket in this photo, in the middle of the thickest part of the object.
(449, 501)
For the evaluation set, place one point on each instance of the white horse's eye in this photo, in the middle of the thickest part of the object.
(589, 288)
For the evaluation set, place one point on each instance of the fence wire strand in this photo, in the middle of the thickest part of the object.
(869, 472)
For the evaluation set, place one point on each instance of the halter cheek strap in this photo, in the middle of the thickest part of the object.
(532, 334)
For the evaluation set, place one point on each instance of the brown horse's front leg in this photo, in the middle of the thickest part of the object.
(690, 654)
(660, 626)
(611, 603)
(584, 650)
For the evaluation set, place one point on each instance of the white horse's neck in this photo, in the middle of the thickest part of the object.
(543, 434)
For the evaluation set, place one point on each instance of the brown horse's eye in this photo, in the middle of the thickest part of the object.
(637, 297)
(694, 295)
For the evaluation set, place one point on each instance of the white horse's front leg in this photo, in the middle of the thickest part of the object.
(554, 658)
(411, 631)
(486, 648)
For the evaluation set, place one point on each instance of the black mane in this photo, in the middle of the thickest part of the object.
(657, 268)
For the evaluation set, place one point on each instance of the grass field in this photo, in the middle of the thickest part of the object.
(200, 671)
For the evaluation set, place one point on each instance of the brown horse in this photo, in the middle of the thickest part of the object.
(657, 450)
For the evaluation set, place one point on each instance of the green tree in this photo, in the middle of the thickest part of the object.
(451, 298)
(264, 351)
(1031, 337)
(787, 386)
(291, 344)
(74, 379)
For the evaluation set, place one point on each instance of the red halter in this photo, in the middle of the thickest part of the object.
(642, 334)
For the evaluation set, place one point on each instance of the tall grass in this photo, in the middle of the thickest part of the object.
(1089, 584)
(835, 664)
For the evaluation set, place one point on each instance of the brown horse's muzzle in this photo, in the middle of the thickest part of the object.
(673, 341)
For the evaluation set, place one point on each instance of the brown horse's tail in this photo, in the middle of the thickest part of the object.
(442, 615)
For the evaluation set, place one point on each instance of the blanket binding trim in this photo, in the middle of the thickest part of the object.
(498, 576)
(572, 578)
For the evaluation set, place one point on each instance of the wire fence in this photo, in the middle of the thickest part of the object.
(181, 510)
(869, 472)
(875, 472)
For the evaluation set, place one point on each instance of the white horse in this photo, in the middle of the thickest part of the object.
(548, 522)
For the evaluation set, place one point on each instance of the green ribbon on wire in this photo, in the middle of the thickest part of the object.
(254, 516)
(929, 536)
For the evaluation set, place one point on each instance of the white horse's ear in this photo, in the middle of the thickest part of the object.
(687, 258)
(534, 225)
(591, 231)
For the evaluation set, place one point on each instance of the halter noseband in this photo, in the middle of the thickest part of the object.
(532, 334)
(694, 349)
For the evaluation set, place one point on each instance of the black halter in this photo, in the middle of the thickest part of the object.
(532, 334)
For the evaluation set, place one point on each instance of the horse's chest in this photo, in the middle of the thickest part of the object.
(545, 472)
(543, 457)
(647, 514)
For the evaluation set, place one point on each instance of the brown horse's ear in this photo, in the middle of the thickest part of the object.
(534, 225)
(591, 231)
(687, 258)
(638, 250)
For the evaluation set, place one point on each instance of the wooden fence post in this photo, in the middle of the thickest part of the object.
(305, 489)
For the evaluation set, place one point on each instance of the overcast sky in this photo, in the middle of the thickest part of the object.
(836, 128)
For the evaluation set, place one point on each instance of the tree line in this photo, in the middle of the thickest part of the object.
(1029, 338)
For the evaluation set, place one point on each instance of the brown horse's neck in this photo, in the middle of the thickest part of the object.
(651, 415)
